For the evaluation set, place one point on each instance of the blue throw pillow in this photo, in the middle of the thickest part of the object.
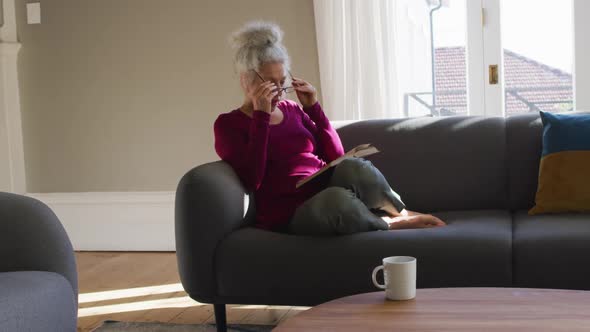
(564, 172)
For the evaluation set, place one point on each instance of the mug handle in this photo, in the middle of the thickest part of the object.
(378, 285)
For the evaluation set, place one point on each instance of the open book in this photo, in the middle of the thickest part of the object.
(360, 151)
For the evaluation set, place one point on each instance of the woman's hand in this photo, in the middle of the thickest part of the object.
(415, 221)
(306, 93)
(261, 95)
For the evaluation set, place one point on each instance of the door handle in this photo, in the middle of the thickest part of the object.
(493, 74)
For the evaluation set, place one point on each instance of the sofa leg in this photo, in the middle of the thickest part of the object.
(220, 317)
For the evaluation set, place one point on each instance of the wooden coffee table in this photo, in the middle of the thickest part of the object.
(451, 309)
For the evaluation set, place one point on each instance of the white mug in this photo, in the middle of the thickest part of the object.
(399, 274)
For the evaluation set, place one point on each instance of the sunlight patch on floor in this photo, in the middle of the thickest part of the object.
(93, 307)
(271, 307)
(129, 292)
(176, 302)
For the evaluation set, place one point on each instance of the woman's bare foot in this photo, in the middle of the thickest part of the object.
(410, 213)
(413, 220)
(392, 212)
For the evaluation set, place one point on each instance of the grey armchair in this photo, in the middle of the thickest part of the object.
(38, 278)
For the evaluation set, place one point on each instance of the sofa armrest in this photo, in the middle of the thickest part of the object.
(209, 205)
(33, 239)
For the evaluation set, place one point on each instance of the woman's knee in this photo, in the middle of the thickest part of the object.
(336, 199)
(335, 210)
(351, 215)
(367, 182)
(351, 171)
(316, 215)
(354, 164)
(358, 175)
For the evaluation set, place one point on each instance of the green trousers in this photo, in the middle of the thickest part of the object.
(354, 201)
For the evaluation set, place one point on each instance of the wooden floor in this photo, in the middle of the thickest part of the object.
(144, 286)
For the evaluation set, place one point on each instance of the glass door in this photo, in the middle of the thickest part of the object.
(449, 72)
(537, 50)
(487, 57)
(449, 23)
(528, 56)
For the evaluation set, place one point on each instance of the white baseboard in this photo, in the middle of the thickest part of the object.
(117, 221)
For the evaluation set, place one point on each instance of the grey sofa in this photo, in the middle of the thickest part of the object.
(38, 279)
(478, 174)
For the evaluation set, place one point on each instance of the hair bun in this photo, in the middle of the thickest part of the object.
(257, 34)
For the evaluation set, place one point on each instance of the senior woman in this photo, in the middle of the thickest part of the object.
(272, 143)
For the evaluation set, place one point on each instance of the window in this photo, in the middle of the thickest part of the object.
(533, 54)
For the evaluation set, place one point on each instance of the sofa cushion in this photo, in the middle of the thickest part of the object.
(439, 164)
(258, 266)
(523, 145)
(36, 301)
(551, 251)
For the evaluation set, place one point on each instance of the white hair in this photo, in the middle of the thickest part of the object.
(257, 43)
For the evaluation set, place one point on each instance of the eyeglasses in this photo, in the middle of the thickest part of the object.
(286, 89)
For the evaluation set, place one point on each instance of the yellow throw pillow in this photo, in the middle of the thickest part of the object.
(564, 172)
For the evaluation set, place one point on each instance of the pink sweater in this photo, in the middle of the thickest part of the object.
(270, 159)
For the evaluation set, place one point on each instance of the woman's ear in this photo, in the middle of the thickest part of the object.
(244, 82)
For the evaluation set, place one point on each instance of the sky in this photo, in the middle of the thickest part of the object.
(538, 29)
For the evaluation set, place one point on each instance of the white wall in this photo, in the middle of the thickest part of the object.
(582, 54)
(121, 96)
(118, 102)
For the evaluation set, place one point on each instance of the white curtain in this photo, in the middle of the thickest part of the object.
(371, 53)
